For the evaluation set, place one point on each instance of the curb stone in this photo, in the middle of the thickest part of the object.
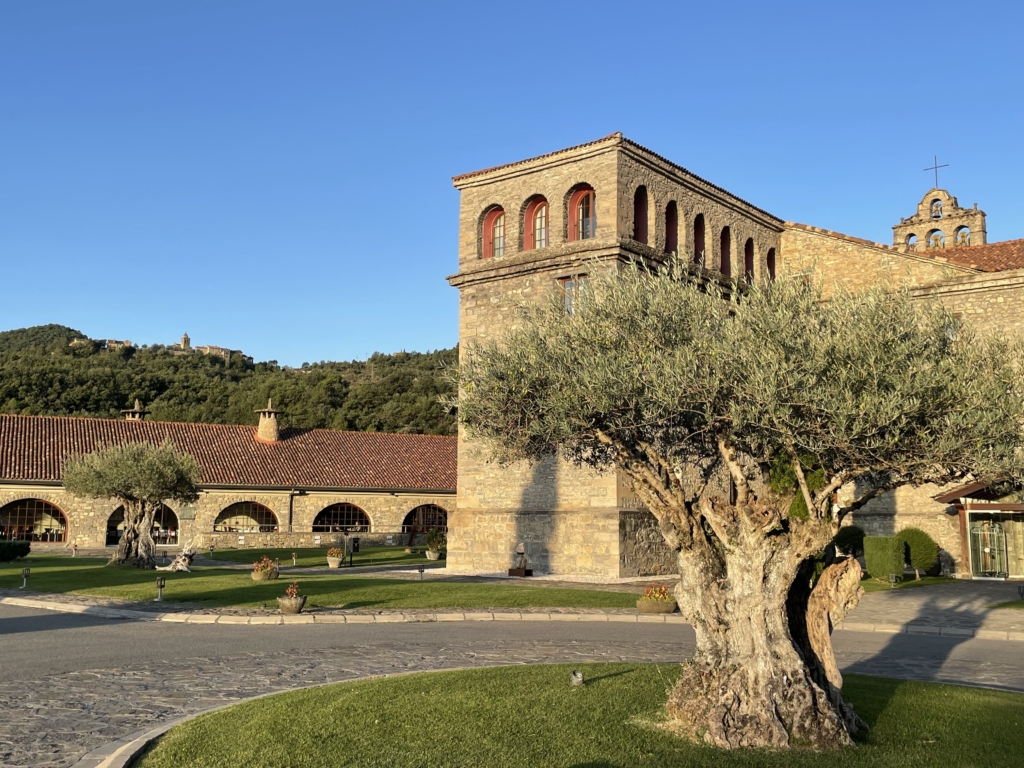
(398, 617)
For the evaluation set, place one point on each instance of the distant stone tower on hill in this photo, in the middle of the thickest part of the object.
(940, 223)
(186, 342)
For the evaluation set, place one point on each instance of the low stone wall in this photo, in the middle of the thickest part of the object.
(302, 540)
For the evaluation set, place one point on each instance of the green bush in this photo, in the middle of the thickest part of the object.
(920, 551)
(436, 540)
(11, 550)
(883, 555)
(850, 540)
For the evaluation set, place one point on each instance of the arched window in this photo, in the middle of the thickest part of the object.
(165, 526)
(726, 243)
(425, 517)
(535, 224)
(582, 213)
(698, 240)
(245, 517)
(671, 227)
(494, 232)
(936, 239)
(936, 209)
(640, 214)
(341, 518)
(748, 261)
(911, 242)
(769, 263)
(963, 236)
(32, 520)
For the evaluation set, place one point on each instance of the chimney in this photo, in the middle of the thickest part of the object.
(267, 431)
(135, 414)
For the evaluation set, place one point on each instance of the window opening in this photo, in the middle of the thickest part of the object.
(582, 214)
(963, 236)
(698, 240)
(640, 215)
(911, 242)
(770, 263)
(341, 518)
(726, 243)
(571, 287)
(936, 239)
(748, 261)
(32, 520)
(671, 228)
(425, 518)
(936, 209)
(540, 226)
(245, 517)
(498, 235)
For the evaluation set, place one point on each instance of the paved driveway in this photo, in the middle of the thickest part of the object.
(72, 683)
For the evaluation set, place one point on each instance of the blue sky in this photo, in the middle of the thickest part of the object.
(276, 176)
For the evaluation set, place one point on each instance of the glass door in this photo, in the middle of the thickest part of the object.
(988, 549)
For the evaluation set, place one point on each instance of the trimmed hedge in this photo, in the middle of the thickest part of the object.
(11, 550)
(919, 549)
(850, 540)
(883, 555)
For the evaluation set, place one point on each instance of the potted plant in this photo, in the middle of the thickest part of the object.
(293, 599)
(657, 599)
(335, 556)
(436, 541)
(264, 570)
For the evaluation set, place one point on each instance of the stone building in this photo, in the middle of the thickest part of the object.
(261, 486)
(536, 226)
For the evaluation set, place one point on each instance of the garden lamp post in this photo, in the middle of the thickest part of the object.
(1020, 591)
(24, 577)
(892, 580)
(211, 551)
(421, 573)
(161, 582)
(293, 558)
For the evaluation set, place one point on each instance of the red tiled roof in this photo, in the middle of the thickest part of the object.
(34, 447)
(993, 257)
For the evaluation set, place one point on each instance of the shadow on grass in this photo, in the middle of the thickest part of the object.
(605, 677)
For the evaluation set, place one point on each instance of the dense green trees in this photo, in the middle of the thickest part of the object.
(56, 370)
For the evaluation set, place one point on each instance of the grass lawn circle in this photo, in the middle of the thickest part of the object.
(530, 716)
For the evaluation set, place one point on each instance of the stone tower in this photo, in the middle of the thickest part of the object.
(137, 413)
(534, 227)
(940, 223)
(186, 342)
(267, 431)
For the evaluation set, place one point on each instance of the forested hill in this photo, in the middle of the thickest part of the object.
(55, 370)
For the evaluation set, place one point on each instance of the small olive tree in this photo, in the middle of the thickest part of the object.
(750, 429)
(142, 477)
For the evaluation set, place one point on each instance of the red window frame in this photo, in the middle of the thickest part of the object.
(488, 232)
(582, 193)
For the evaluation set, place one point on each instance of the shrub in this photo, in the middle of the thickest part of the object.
(919, 549)
(12, 550)
(264, 565)
(883, 555)
(336, 552)
(850, 540)
(436, 540)
(293, 590)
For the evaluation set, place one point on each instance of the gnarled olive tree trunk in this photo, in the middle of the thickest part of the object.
(136, 547)
(763, 674)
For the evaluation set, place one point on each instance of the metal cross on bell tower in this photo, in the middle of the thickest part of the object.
(935, 168)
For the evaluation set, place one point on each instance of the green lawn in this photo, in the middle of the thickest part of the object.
(223, 587)
(908, 581)
(1014, 605)
(529, 716)
(317, 557)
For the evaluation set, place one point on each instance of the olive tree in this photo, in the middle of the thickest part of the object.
(751, 422)
(142, 477)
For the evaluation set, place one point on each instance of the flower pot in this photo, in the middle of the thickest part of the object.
(432, 555)
(264, 575)
(656, 606)
(291, 604)
(334, 562)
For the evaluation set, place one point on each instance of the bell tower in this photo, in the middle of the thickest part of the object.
(940, 223)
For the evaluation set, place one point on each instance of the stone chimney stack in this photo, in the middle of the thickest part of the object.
(138, 413)
(267, 432)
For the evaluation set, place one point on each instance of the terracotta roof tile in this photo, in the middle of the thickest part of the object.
(34, 448)
(992, 257)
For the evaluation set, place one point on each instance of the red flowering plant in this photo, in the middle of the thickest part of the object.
(658, 594)
(293, 590)
(264, 565)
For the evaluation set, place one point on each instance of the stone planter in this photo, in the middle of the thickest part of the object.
(291, 604)
(334, 562)
(656, 606)
(264, 575)
(432, 555)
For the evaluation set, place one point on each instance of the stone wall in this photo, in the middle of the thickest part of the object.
(858, 264)
(87, 518)
(642, 548)
(987, 302)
